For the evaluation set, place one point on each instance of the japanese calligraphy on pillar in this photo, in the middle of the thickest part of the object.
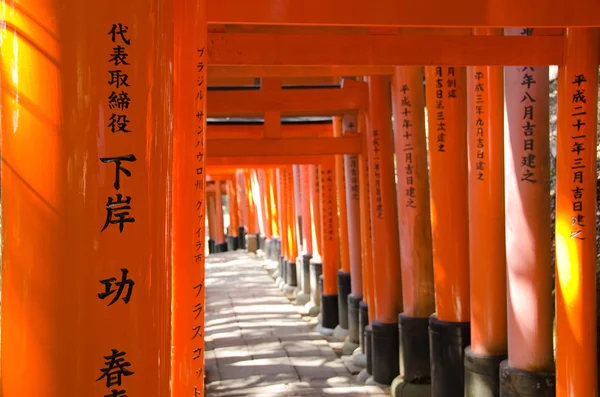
(578, 169)
(528, 161)
(200, 188)
(443, 89)
(327, 206)
(406, 105)
(480, 124)
(377, 175)
(118, 208)
(351, 161)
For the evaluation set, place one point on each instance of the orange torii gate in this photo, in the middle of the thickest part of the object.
(105, 158)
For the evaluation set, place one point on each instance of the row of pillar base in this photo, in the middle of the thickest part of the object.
(429, 357)
(416, 356)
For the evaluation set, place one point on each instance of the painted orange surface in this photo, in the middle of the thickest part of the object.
(306, 217)
(219, 220)
(384, 211)
(352, 196)
(366, 236)
(341, 210)
(315, 212)
(408, 99)
(449, 190)
(576, 363)
(189, 200)
(485, 86)
(291, 217)
(329, 228)
(56, 128)
(528, 232)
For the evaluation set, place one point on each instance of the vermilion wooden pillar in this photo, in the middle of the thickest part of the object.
(291, 232)
(189, 199)
(303, 296)
(486, 229)
(384, 216)
(528, 239)
(234, 219)
(221, 245)
(271, 210)
(449, 328)
(415, 225)
(329, 244)
(352, 195)
(576, 333)
(243, 206)
(86, 188)
(343, 276)
(316, 264)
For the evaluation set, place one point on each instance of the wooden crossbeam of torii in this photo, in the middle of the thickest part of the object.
(328, 101)
(430, 13)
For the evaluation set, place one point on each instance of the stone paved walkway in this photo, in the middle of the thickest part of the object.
(259, 344)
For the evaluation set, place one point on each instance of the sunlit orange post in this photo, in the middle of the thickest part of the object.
(576, 364)
(352, 196)
(408, 99)
(530, 362)
(303, 264)
(269, 213)
(83, 206)
(189, 199)
(220, 243)
(384, 217)
(234, 218)
(316, 264)
(343, 277)
(449, 327)
(488, 348)
(252, 235)
(264, 212)
(298, 205)
(274, 248)
(329, 244)
(291, 232)
(282, 222)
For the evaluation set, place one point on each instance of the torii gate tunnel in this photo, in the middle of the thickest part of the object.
(393, 156)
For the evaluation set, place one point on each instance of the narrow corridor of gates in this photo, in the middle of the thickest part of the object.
(419, 192)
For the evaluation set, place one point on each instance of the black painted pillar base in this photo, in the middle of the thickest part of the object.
(414, 349)
(306, 273)
(447, 343)
(268, 248)
(354, 318)
(329, 311)
(261, 241)
(211, 246)
(282, 268)
(385, 353)
(482, 374)
(316, 270)
(344, 289)
(291, 278)
(368, 348)
(242, 237)
(363, 322)
(277, 250)
(221, 247)
(232, 243)
(517, 383)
